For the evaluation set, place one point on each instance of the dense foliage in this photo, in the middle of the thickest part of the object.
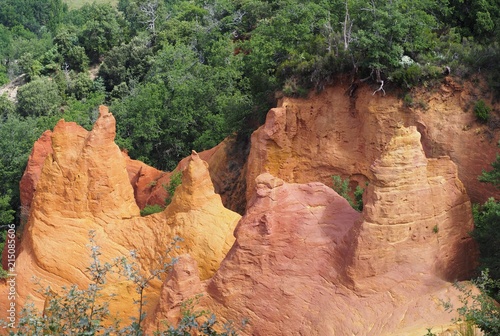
(487, 234)
(183, 74)
(487, 225)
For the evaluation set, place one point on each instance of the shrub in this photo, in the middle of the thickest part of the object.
(74, 311)
(408, 100)
(198, 322)
(175, 181)
(479, 309)
(482, 111)
(151, 209)
(38, 98)
(492, 176)
(343, 189)
(3, 238)
(486, 233)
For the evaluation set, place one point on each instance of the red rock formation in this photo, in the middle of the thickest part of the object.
(83, 186)
(332, 133)
(227, 167)
(417, 217)
(305, 263)
(27, 185)
(147, 182)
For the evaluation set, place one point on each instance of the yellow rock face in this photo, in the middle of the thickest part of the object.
(330, 133)
(84, 186)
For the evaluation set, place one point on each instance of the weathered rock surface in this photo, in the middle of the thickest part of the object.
(416, 219)
(305, 263)
(331, 133)
(83, 186)
(27, 186)
(227, 167)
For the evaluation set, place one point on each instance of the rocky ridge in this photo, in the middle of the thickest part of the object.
(303, 262)
(332, 133)
(84, 186)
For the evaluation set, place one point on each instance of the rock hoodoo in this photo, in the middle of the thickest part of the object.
(301, 260)
(305, 262)
(84, 186)
(416, 218)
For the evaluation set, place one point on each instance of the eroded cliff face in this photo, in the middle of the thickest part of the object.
(84, 186)
(332, 133)
(305, 263)
(416, 219)
(227, 167)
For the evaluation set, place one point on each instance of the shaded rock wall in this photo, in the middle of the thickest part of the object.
(227, 166)
(305, 263)
(416, 219)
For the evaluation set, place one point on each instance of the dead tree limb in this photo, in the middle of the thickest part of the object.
(379, 80)
(380, 88)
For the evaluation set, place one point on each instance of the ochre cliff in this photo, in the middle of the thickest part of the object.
(416, 218)
(332, 133)
(305, 263)
(227, 167)
(83, 186)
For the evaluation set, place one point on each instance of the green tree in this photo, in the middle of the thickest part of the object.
(33, 15)
(17, 136)
(5, 50)
(39, 97)
(22, 43)
(101, 31)
(486, 233)
(478, 18)
(7, 107)
(80, 85)
(6, 212)
(143, 15)
(72, 53)
(127, 62)
(182, 106)
(486, 221)
(492, 176)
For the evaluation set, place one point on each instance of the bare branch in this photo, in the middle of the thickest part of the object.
(347, 28)
(150, 10)
(379, 80)
(380, 88)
